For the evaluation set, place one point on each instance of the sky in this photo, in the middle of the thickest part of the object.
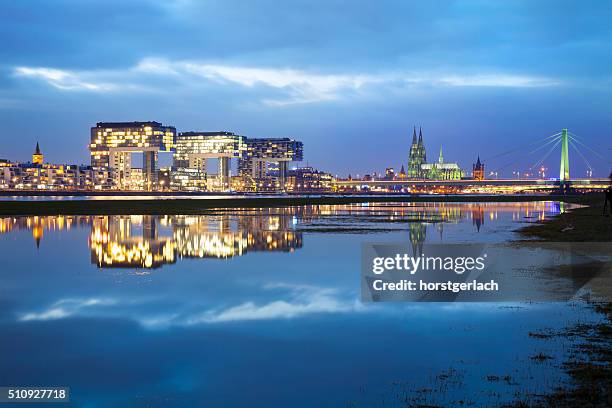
(348, 78)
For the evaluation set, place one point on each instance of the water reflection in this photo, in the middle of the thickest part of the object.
(220, 331)
(150, 241)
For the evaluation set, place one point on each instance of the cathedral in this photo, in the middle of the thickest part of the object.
(418, 168)
(417, 155)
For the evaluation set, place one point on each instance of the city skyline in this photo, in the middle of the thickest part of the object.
(480, 78)
(436, 169)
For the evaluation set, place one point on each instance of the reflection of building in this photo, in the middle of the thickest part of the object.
(478, 217)
(113, 143)
(418, 168)
(418, 234)
(38, 225)
(129, 242)
(152, 241)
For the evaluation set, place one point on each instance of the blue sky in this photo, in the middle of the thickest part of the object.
(349, 79)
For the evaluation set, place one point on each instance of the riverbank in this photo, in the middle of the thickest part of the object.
(584, 224)
(156, 205)
(589, 365)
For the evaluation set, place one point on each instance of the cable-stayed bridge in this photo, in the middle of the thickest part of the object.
(539, 151)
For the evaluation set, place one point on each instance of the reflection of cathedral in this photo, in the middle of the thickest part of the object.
(418, 234)
(432, 214)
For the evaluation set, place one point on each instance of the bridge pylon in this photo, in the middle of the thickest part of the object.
(564, 173)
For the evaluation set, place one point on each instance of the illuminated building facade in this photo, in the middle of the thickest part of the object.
(389, 173)
(402, 174)
(253, 166)
(478, 170)
(307, 179)
(418, 155)
(112, 144)
(441, 170)
(37, 157)
(46, 176)
(418, 168)
(193, 149)
(262, 163)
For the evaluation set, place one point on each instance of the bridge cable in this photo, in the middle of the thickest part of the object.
(546, 155)
(583, 145)
(545, 144)
(557, 139)
(521, 147)
(581, 155)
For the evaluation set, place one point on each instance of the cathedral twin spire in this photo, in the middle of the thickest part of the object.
(418, 168)
(414, 136)
(417, 154)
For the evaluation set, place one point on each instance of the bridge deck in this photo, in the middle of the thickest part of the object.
(593, 183)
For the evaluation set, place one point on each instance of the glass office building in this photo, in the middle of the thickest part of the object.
(193, 149)
(253, 166)
(112, 144)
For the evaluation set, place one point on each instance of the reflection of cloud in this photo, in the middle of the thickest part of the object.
(275, 86)
(304, 300)
(64, 308)
(298, 301)
(284, 301)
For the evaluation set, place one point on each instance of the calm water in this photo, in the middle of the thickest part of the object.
(260, 307)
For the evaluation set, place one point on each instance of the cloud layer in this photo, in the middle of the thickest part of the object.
(294, 85)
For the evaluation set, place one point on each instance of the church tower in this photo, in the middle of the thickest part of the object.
(37, 157)
(478, 170)
(422, 152)
(417, 155)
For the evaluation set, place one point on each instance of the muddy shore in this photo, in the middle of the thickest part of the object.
(589, 365)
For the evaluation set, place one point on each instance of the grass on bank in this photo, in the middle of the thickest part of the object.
(584, 224)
